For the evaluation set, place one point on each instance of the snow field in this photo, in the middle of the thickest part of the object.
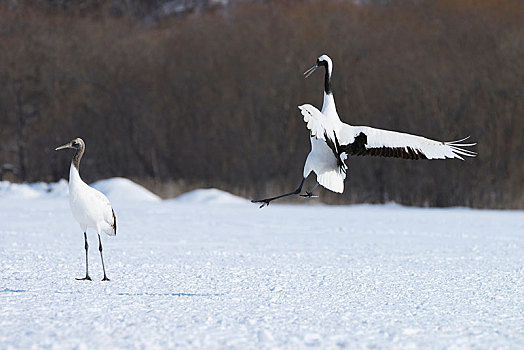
(210, 270)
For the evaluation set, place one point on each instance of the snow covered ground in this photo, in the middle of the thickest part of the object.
(210, 270)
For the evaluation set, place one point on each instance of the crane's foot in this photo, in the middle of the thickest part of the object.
(265, 202)
(308, 195)
(86, 278)
(105, 278)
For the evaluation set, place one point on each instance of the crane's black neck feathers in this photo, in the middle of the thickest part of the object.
(327, 78)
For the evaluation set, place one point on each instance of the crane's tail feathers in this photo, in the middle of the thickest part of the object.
(110, 228)
(109, 231)
(332, 180)
(114, 221)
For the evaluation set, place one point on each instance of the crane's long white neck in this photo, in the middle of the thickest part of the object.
(329, 104)
(74, 177)
(329, 108)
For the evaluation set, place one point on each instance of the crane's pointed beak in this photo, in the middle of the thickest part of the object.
(310, 70)
(67, 145)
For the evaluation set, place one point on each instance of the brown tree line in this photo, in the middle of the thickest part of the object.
(211, 100)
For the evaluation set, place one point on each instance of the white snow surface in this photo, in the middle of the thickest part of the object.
(210, 196)
(124, 190)
(217, 273)
(34, 190)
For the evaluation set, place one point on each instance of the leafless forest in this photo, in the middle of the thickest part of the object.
(209, 97)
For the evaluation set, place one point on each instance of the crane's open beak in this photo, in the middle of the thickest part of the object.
(311, 70)
(67, 145)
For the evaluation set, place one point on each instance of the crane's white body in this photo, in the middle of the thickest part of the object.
(320, 159)
(90, 208)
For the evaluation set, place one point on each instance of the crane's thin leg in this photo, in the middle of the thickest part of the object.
(86, 278)
(102, 257)
(266, 201)
(309, 194)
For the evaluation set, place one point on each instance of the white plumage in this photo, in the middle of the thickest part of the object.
(332, 141)
(321, 161)
(90, 208)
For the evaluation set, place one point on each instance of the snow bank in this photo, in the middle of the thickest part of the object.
(117, 189)
(34, 190)
(57, 189)
(9, 190)
(124, 190)
(210, 196)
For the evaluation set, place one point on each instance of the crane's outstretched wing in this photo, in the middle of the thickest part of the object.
(367, 141)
